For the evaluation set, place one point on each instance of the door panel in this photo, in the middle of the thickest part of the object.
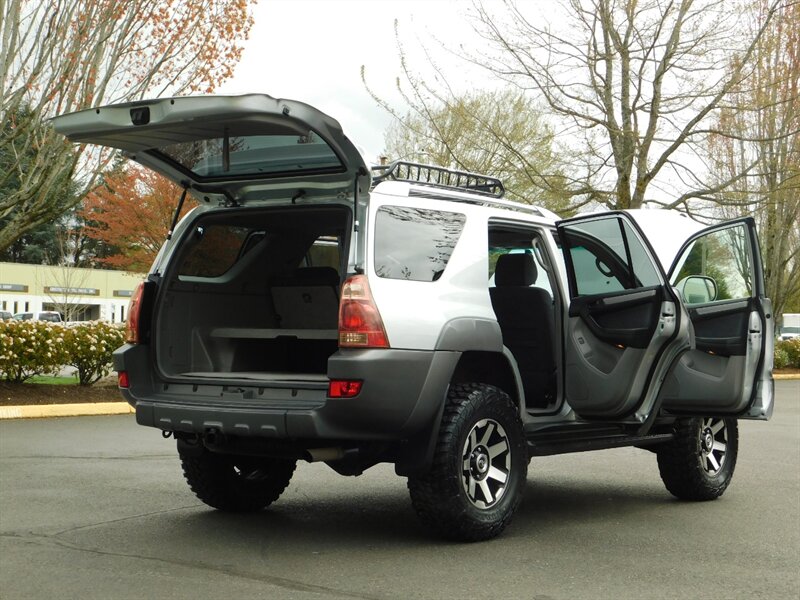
(728, 371)
(623, 319)
(622, 322)
(722, 329)
(708, 382)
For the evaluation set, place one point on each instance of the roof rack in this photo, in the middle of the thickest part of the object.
(531, 209)
(401, 170)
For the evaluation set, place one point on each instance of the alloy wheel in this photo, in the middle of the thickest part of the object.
(713, 445)
(486, 463)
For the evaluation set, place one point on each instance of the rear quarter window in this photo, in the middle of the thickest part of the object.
(415, 244)
(213, 250)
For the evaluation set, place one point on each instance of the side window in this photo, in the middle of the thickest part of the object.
(715, 267)
(415, 243)
(607, 256)
(214, 250)
(641, 264)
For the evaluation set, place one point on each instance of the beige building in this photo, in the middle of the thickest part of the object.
(78, 294)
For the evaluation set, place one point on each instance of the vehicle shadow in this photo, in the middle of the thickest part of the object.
(387, 518)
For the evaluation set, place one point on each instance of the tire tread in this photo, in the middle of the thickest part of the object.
(213, 481)
(435, 496)
(680, 468)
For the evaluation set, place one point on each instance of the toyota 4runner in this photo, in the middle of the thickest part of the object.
(309, 309)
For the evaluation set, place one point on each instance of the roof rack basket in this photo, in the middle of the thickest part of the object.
(401, 170)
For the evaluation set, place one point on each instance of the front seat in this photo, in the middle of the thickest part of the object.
(525, 315)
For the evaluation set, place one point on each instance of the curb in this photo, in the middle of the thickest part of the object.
(785, 377)
(82, 409)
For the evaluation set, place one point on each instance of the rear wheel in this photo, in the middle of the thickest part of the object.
(479, 468)
(236, 483)
(699, 463)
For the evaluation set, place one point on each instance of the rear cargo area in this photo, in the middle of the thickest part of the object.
(253, 294)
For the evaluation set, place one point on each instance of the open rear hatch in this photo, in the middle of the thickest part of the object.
(251, 289)
(245, 148)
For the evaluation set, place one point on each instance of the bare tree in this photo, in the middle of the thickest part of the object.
(635, 83)
(65, 55)
(760, 150)
(66, 287)
(65, 284)
(497, 133)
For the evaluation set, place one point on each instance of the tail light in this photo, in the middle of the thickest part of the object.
(138, 324)
(344, 388)
(134, 310)
(360, 323)
(122, 379)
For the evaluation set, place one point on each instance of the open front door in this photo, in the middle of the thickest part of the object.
(728, 372)
(624, 326)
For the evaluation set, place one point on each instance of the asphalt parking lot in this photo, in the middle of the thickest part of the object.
(96, 507)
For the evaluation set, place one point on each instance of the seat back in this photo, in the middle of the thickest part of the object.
(307, 299)
(525, 316)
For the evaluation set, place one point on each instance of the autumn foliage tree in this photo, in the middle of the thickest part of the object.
(132, 211)
(66, 55)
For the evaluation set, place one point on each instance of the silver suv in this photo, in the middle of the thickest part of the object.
(310, 309)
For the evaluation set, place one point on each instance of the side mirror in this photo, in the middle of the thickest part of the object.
(697, 289)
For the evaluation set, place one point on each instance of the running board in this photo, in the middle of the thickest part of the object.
(547, 445)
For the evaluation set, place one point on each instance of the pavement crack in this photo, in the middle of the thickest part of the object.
(281, 582)
(121, 520)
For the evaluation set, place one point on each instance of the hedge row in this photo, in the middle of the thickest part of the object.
(29, 348)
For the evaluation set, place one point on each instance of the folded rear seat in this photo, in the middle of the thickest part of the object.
(307, 299)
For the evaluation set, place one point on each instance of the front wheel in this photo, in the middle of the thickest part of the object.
(479, 468)
(698, 463)
(236, 483)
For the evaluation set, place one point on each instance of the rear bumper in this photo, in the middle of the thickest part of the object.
(402, 393)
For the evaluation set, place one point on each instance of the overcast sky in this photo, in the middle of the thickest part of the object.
(312, 51)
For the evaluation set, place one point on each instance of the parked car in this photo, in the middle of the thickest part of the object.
(791, 326)
(4, 314)
(309, 309)
(46, 315)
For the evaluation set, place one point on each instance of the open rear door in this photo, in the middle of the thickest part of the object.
(728, 371)
(625, 324)
(233, 149)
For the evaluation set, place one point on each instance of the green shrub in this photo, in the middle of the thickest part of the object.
(791, 348)
(29, 348)
(781, 357)
(89, 347)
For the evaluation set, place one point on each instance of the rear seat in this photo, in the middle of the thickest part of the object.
(307, 299)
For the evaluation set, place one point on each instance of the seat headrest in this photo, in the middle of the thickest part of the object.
(515, 270)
